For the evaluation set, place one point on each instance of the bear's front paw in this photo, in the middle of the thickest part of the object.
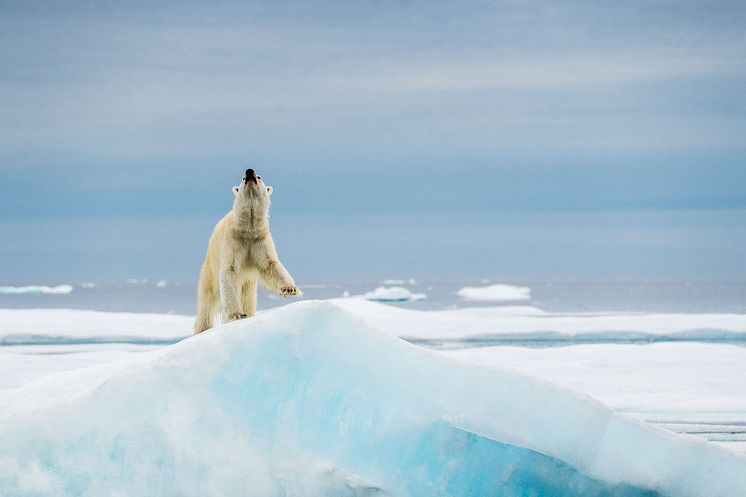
(290, 291)
(235, 316)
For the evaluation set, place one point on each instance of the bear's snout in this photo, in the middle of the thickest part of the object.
(250, 176)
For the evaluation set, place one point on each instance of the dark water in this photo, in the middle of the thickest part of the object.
(559, 296)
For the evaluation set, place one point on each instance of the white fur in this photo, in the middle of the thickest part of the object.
(241, 252)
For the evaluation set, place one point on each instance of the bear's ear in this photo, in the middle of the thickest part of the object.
(269, 190)
(235, 190)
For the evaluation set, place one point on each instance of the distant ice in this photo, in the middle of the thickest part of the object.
(89, 284)
(407, 281)
(65, 326)
(161, 284)
(495, 293)
(511, 323)
(36, 290)
(393, 294)
(137, 281)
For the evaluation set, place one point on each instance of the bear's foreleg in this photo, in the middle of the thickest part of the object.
(277, 279)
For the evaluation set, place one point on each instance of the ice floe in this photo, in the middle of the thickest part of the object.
(495, 293)
(309, 400)
(393, 294)
(402, 281)
(36, 290)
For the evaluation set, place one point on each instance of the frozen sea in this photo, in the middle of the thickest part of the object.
(670, 353)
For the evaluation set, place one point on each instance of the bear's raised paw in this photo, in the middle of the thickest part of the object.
(290, 291)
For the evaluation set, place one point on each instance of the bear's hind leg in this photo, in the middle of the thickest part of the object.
(207, 303)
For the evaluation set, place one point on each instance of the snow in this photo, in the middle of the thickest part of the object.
(393, 294)
(312, 399)
(495, 293)
(36, 289)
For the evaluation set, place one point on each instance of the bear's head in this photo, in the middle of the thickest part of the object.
(252, 194)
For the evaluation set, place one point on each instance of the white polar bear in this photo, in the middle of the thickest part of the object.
(240, 252)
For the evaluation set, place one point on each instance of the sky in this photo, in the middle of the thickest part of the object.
(503, 139)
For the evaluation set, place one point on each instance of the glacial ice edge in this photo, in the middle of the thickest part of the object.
(308, 400)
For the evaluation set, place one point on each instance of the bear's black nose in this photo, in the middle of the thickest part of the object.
(250, 176)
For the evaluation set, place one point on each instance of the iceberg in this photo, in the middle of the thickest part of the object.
(36, 290)
(309, 400)
(495, 293)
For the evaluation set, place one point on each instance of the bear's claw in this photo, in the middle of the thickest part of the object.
(290, 291)
(237, 316)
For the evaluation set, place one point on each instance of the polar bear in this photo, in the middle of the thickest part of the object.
(240, 252)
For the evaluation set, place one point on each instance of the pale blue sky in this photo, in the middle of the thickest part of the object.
(116, 114)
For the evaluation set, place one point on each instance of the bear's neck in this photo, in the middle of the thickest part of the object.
(251, 221)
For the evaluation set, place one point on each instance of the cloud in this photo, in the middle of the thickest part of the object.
(131, 98)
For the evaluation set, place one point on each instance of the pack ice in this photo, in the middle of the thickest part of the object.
(308, 400)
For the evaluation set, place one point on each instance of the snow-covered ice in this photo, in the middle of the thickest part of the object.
(308, 400)
(65, 329)
(495, 293)
(36, 289)
(20, 365)
(393, 294)
(68, 326)
(530, 324)
(696, 388)
(324, 373)
(660, 377)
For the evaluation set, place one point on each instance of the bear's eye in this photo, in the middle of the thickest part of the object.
(258, 177)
